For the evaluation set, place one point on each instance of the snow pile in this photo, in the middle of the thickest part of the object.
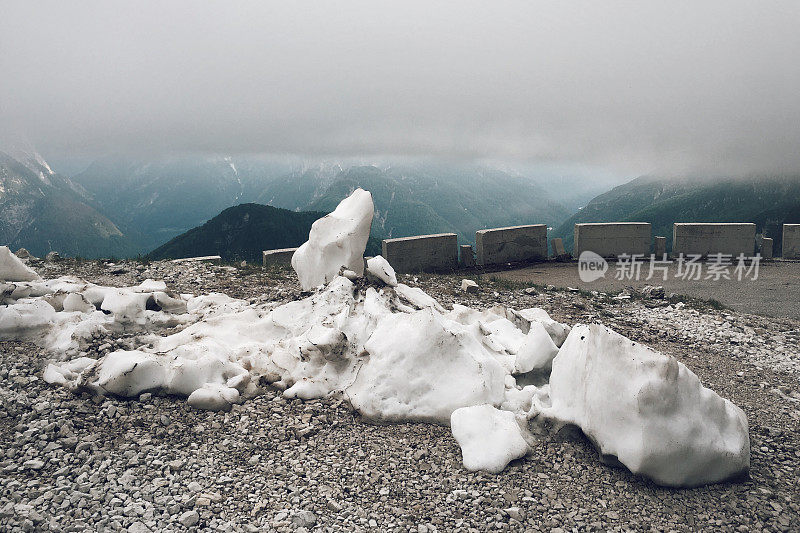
(209, 382)
(336, 241)
(489, 438)
(647, 410)
(392, 351)
(13, 269)
(64, 314)
(397, 355)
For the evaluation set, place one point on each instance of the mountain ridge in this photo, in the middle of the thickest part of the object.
(767, 201)
(242, 232)
(164, 198)
(43, 211)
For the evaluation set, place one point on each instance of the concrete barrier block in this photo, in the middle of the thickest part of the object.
(713, 238)
(612, 239)
(467, 256)
(281, 256)
(422, 252)
(766, 248)
(791, 241)
(514, 243)
(659, 247)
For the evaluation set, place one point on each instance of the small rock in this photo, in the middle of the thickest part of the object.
(138, 527)
(189, 518)
(304, 519)
(33, 464)
(653, 292)
(334, 506)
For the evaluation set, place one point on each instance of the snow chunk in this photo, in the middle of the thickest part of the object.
(537, 351)
(489, 438)
(150, 285)
(558, 332)
(129, 373)
(522, 400)
(469, 286)
(13, 269)
(423, 367)
(379, 268)
(169, 303)
(125, 304)
(213, 397)
(647, 409)
(26, 316)
(521, 345)
(67, 373)
(418, 298)
(336, 240)
(77, 302)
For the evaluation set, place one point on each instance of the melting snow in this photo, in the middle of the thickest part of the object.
(13, 269)
(396, 355)
(336, 241)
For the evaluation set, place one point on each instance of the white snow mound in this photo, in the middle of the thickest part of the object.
(646, 409)
(489, 438)
(393, 351)
(336, 240)
(13, 269)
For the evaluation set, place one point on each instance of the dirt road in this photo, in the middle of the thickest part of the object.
(775, 292)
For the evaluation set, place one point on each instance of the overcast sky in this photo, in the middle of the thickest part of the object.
(669, 87)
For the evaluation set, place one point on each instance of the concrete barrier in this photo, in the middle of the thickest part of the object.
(514, 243)
(791, 241)
(281, 256)
(466, 258)
(766, 248)
(713, 238)
(659, 247)
(612, 239)
(422, 252)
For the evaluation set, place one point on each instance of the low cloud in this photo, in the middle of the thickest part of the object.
(683, 87)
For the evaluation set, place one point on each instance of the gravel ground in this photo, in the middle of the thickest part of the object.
(71, 463)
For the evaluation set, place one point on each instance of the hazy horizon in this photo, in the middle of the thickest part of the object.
(685, 88)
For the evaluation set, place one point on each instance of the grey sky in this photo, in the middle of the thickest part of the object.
(638, 86)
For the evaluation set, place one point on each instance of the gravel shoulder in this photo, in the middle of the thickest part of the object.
(72, 463)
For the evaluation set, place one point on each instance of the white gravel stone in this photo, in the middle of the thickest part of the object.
(189, 518)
